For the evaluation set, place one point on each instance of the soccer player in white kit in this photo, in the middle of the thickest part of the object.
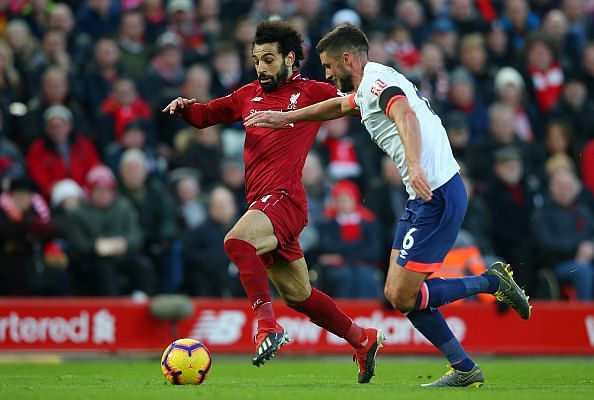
(401, 122)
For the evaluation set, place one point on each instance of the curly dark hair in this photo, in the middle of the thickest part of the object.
(284, 34)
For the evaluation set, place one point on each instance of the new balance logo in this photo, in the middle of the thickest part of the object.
(403, 253)
(257, 98)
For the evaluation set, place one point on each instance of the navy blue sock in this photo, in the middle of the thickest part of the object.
(433, 326)
(438, 292)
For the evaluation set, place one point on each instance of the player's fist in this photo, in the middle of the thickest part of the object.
(178, 104)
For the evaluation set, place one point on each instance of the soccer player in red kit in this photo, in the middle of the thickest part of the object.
(264, 242)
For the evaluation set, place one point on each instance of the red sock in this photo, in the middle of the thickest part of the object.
(324, 312)
(254, 279)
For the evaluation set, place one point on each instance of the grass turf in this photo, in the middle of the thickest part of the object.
(298, 378)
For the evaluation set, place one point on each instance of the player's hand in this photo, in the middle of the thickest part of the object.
(267, 119)
(419, 182)
(178, 104)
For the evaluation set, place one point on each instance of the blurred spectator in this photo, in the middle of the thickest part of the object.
(54, 52)
(545, 76)
(564, 232)
(78, 43)
(11, 88)
(316, 17)
(265, 9)
(106, 241)
(349, 246)
(465, 17)
(463, 98)
(31, 264)
(34, 13)
(413, 16)
(203, 153)
(458, 133)
(558, 139)
(61, 153)
(209, 18)
(575, 108)
(102, 73)
(556, 26)
(12, 163)
(135, 136)
(164, 75)
(402, 49)
(316, 188)
(190, 206)
(24, 49)
(66, 196)
(464, 259)
(122, 106)
(580, 22)
(517, 20)
(433, 81)
(155, 17)
(510, 90)
(511, 201)
(502, 134)
(473, 57)
(499, 49)
(197, 83)
(55, 90)
(207, 264)
(386, 197)
(243, 32)
(477, 221)
(98, 18)
(183, 23)
(234, 180)
(372, 19)
(156, 211)
(135, 50)
(445, 36)
(228, 72)
(340, 150)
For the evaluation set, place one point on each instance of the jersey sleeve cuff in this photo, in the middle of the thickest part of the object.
(352, 101)
(391, 101)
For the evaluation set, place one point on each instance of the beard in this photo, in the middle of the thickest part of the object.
(345, 84)
(275, 80)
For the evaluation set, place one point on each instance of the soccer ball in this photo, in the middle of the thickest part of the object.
(186, 362)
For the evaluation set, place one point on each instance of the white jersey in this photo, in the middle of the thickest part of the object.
(437, 159)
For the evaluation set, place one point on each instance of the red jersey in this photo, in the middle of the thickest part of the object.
(273, 158)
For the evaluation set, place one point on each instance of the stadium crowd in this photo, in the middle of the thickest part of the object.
(102, 194)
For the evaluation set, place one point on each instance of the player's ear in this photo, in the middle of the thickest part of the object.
(290, 59)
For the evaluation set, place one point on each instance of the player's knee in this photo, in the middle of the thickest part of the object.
(232, 246)
(399, 300)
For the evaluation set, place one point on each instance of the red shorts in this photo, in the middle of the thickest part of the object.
(288, 217)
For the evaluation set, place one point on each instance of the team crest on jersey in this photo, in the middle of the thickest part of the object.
(293, 101)
(378, 86)
(257, 98)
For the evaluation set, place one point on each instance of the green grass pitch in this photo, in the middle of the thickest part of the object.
(298, 378)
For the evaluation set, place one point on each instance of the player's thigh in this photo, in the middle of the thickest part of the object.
(402, 284)
(291, 279)
(255, 228)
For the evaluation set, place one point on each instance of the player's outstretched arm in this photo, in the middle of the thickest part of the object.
(178, 104)
(322, 111)
(410, 135)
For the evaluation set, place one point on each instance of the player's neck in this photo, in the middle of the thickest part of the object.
(358, 73)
